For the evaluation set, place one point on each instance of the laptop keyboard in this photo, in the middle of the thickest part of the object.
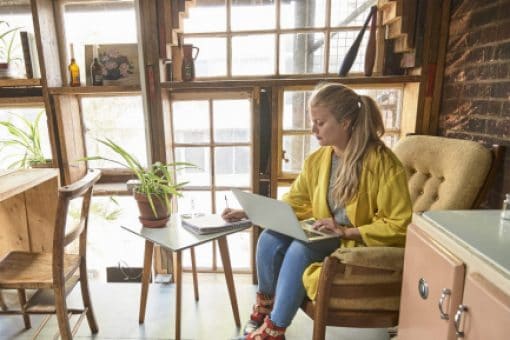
(309, 233)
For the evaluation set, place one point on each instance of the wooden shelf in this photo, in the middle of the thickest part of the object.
(96, 90)
(264, 82)
(22, 101)
(12, 82)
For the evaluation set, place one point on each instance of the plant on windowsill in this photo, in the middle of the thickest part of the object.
(25, 138)
(7, 36)
(155, 185)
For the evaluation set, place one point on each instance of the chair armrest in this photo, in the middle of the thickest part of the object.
(386, 258)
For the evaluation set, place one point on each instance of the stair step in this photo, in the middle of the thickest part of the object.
(401, 45)
(389, 12)
(394, 29)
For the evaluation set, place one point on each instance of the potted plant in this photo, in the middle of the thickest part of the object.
(7, 38)
(27, 139)
(154, 187)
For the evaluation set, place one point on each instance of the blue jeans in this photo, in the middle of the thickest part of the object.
(281, 261)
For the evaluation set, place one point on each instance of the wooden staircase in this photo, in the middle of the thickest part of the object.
(401, 19)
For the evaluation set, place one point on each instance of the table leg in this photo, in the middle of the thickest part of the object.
(227, 267)
(194, 272)
(178, 293)
(147, 266)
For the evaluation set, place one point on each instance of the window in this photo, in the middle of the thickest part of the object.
(11, 154)
(214, 132)
(124, 124)
(283, 37)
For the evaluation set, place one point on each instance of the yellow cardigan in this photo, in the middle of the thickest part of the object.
(381, 209)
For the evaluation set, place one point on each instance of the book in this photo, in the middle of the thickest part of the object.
(26, 54)
(30, 56)
(211, 223)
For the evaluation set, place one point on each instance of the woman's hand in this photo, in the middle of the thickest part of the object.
(233, 215)
(329, 226)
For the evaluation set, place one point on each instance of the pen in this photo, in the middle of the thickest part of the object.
(226, 202)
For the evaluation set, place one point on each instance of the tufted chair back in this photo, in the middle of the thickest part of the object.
(444, 173)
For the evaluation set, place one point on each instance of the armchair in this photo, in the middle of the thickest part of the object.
(360, 287)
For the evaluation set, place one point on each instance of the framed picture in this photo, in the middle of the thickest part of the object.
(119, 61)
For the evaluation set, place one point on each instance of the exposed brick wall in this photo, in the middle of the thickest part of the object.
(476, 89)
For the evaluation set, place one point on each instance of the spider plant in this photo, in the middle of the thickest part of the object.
(155, 181)
(7, 38)
(26, 138)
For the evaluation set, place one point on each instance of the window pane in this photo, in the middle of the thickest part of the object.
(239, 245)
(232, 121)
(252, 15)
(120, 119)
(200, 176)
(232, 166)
(340, 42)
(349, 12)
(212, 57)
(221, 204)
(112, 22)
(389, 101)
(295, 113)
(301, 53)
(17, 16)
(203, 256)
(194, 202)
(296, 148)
(206, 16)
(253, 55)
(11, 155)
(191, 121)
(304, 13)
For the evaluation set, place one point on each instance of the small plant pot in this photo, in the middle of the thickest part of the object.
(147, 217)
(6, 70)
(47, 164)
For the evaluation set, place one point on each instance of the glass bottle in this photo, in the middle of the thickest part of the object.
(96, 73)
(505, 211)
(74, 71)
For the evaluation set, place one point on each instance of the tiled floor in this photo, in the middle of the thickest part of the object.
(116, 308)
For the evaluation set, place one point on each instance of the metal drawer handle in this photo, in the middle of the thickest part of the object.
(423, 289)
(444, 293)
(457, 319)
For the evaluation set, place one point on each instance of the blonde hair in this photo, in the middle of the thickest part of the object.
(365, 130)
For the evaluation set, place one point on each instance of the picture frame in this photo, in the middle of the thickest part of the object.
(120, 63)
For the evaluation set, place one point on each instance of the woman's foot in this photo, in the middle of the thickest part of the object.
(267, 331)
(262, 308)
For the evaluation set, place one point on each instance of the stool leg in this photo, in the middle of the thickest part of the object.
(22, 297)
(194, 272)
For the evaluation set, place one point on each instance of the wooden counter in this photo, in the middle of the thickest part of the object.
(28, 203)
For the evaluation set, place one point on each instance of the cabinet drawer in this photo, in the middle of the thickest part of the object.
(487, 314)
(436, 269)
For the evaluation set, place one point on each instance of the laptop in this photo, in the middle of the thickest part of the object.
(278, 216)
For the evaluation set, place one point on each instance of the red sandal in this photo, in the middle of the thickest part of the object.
(262, 308)
(267, 331)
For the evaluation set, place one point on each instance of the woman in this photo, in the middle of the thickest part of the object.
(353, 186)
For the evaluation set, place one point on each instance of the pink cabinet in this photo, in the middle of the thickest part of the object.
(485, 311)
(433, 277)
(456, 280)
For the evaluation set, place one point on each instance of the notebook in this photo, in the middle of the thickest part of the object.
(278, 216)
(211, 223)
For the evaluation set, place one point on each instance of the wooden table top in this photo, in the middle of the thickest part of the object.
(13, 182)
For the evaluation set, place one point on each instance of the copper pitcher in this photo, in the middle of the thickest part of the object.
(188, 61)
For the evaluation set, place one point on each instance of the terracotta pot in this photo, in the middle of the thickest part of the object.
(147, 217)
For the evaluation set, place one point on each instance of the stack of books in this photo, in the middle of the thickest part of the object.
(209, 224)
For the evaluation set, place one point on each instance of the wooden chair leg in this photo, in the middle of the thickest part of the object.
(3, 306)
(62, 317)
(22, 297)
(194, 272)
(85, 295)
